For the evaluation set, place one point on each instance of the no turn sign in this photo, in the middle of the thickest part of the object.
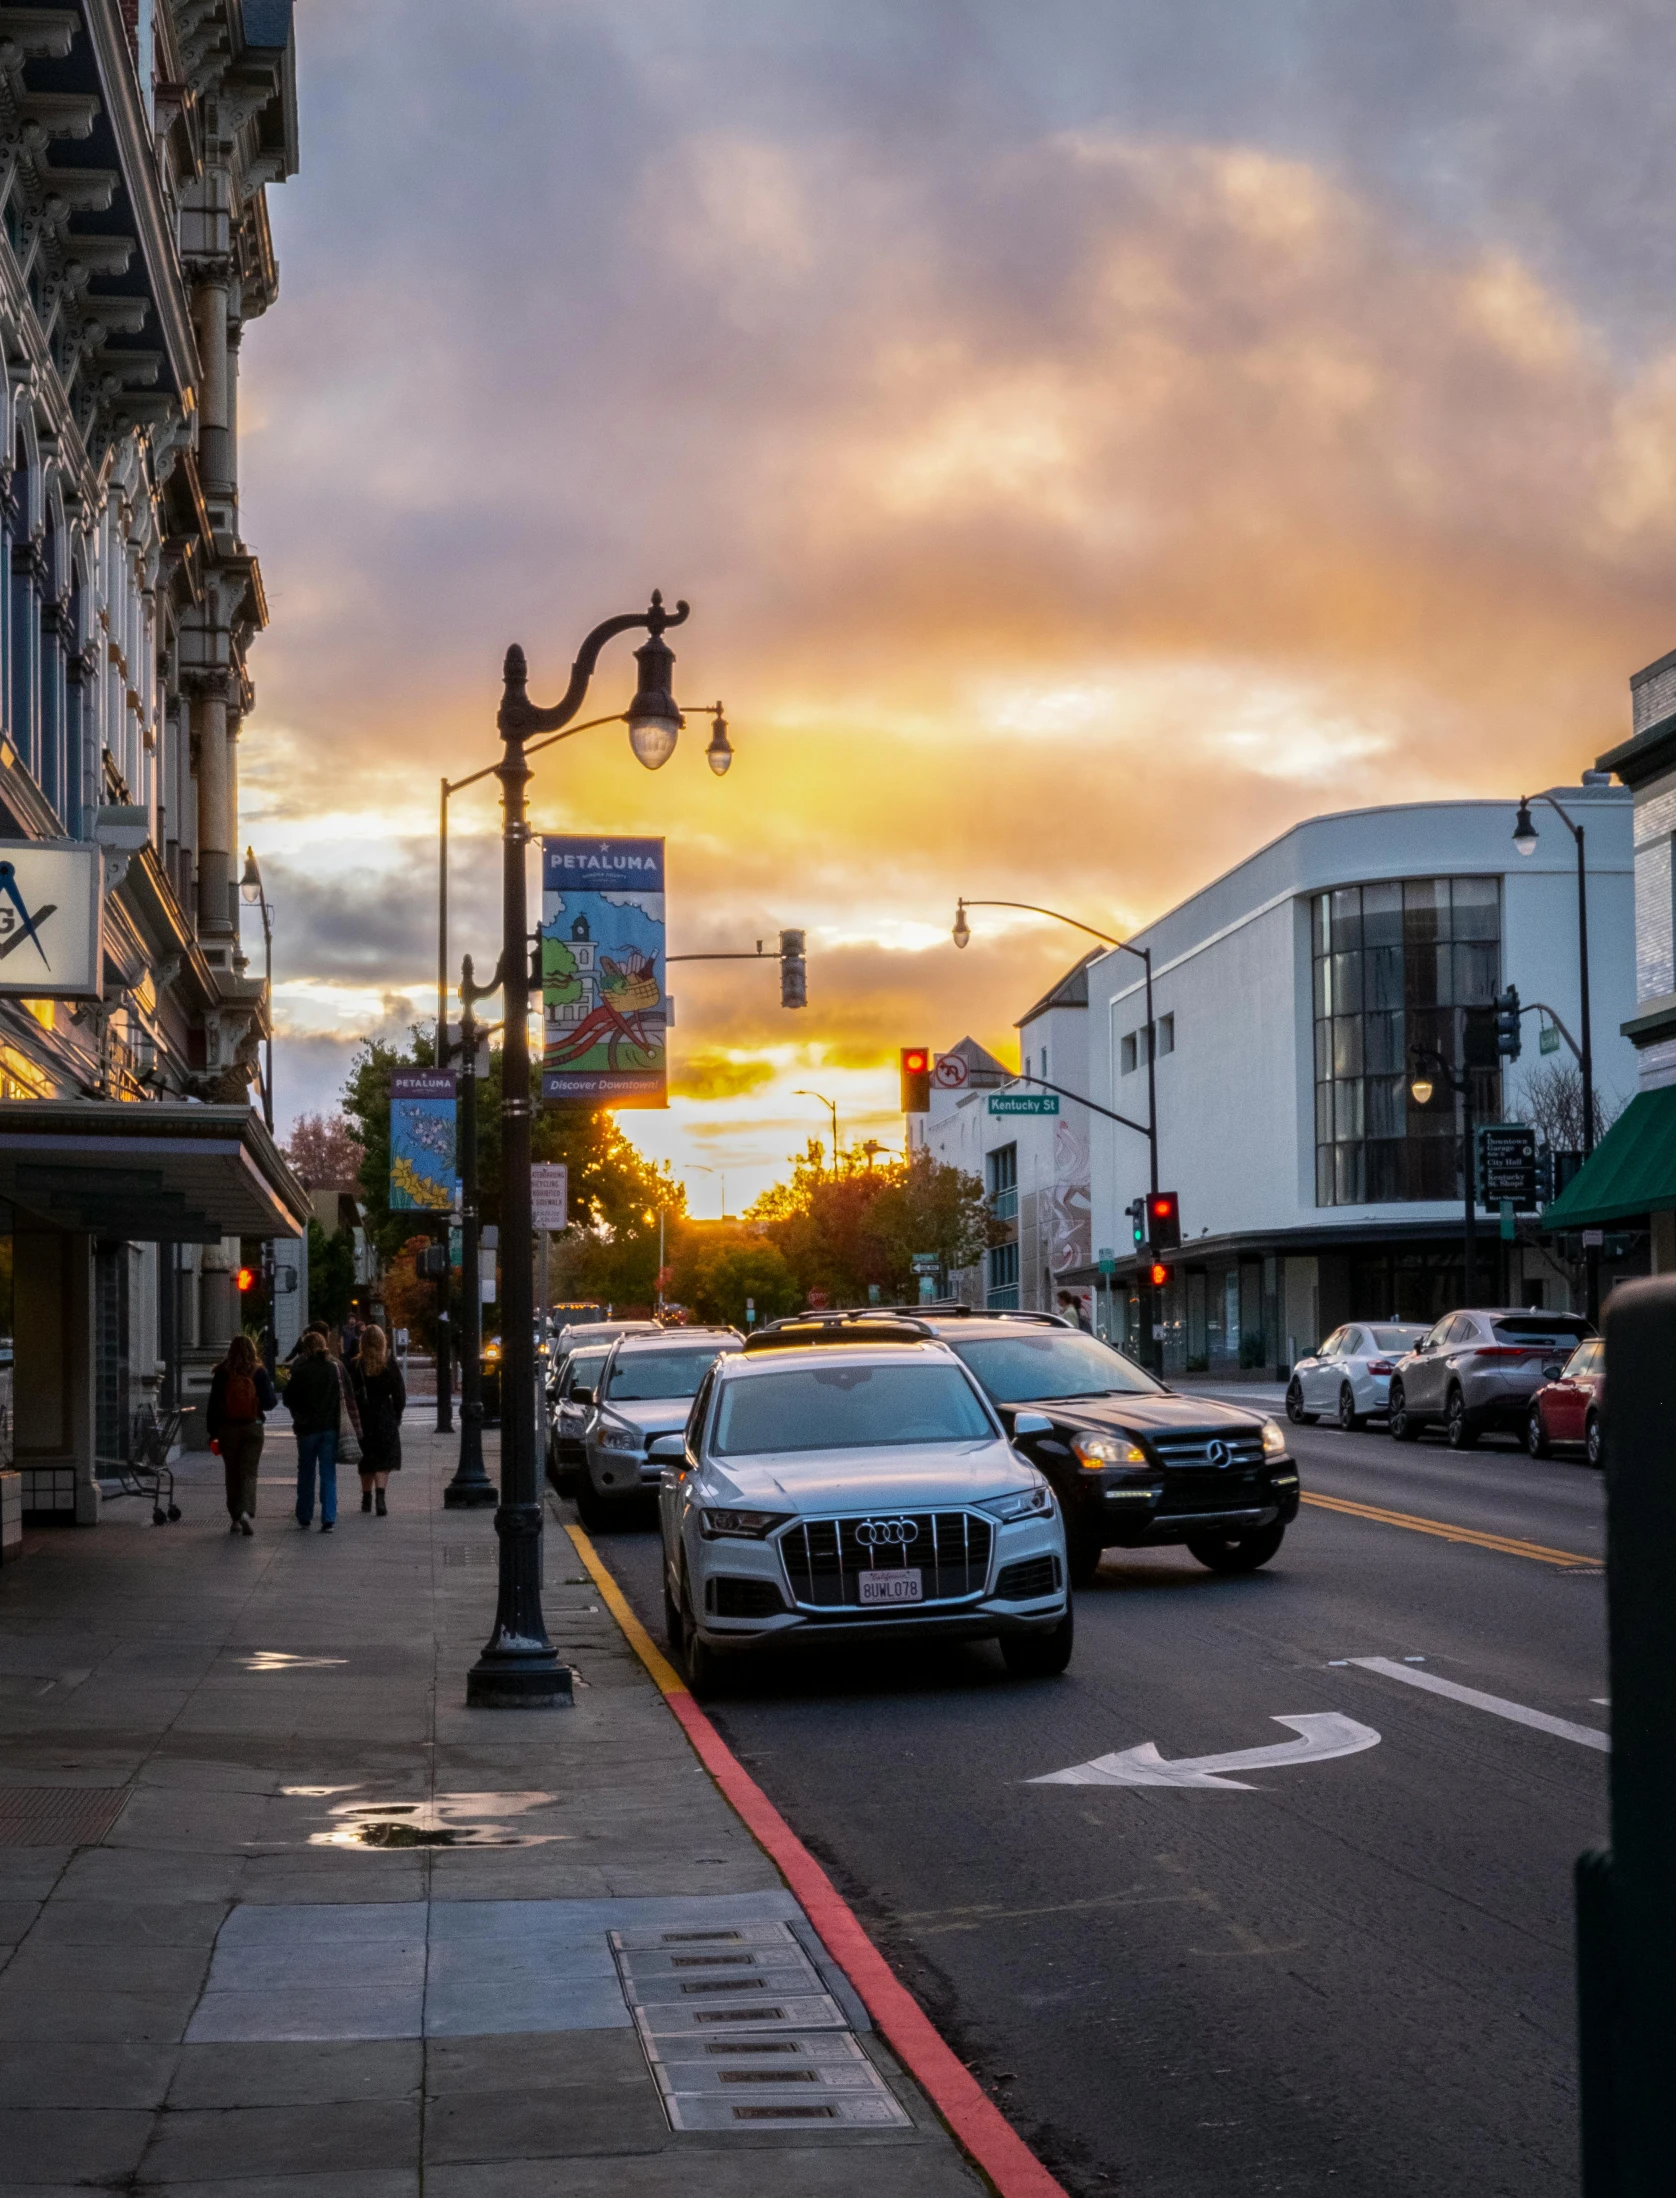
(950, 1071)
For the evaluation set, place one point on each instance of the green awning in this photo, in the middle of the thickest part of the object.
(1632, 1171)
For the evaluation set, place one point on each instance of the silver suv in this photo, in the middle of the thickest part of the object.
(1479, 1370)
(645, 1389)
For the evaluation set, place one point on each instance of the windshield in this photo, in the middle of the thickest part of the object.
(1020, 1369)
(583, 1367)
(1562, 1329)
(849, 1408)
(649, 1377)
(1395, 1339)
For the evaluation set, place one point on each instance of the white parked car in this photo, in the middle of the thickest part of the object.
(855, 1488)
(1350, 1376)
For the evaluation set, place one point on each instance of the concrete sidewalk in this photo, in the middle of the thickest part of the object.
(278, 1914)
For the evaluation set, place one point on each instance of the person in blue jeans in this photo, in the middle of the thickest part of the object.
(314, 1399)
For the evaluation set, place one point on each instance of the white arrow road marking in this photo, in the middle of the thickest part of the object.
(1322, 1734)
(1586, 1736)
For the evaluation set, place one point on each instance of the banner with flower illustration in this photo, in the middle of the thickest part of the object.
(422, 1107)
(604, 1012)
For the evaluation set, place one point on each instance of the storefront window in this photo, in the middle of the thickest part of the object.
(1394, 967)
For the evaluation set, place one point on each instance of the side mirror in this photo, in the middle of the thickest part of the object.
(1032, 1423)
(668, 1449)
(579, 1395)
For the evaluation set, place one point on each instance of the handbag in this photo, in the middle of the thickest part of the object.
(349, 1433)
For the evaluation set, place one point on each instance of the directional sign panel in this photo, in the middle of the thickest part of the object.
(1024, 1102)
(51, 907)
(1507, 1163)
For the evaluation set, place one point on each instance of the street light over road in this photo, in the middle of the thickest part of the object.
(519, 1667)
(832, 1107)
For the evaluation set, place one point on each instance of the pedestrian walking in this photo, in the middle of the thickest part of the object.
(352, 1333)
(241, 1394)
(321, 1405)
(381, 1395)
(1072, 1306)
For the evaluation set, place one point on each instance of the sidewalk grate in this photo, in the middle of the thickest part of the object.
(740, 2066)
(58, 1816)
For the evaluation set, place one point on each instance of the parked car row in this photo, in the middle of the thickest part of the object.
(1518, 1370)
(888, 1473)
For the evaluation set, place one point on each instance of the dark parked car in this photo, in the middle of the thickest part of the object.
(1478, 1370)
(1133, 1464)
(1568, 1409)
(571, 1402)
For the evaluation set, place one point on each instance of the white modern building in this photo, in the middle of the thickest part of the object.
(1290, 997)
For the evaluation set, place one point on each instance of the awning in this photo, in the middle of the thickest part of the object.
(152, 1173)
(1632, 1171)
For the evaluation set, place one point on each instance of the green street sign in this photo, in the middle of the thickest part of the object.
(1550, 1039)
(1024, 1102)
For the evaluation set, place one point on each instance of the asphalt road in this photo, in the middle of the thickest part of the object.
(1353, 1977)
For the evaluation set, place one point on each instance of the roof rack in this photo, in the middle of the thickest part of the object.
(798, 1331)
(948, 1309)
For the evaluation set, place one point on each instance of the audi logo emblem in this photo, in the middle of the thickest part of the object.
(1218, 1453)
(886, 1533)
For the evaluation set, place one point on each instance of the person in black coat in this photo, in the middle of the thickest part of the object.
(382, 1396)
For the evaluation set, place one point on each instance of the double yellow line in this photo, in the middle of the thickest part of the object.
(1569, 1560)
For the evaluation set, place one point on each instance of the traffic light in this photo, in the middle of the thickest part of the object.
(1164, 1220)
(916, 1079)
(1158, 1274)
(246, 1279)
(1507, 1023)
(794, 984)
(1136, 1210)
(432, 1262)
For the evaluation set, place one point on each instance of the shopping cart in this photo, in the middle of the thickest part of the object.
(147, 1472)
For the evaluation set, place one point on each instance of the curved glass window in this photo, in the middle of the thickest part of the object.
(1395, 968)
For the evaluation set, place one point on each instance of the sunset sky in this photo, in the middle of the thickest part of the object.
(1092, 437)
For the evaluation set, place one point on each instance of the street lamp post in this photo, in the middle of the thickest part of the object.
(1525, 840)
(251, 893)
(697, 1167)
(1143, 954)
(519, 1667)
(1429, 1069)
(471, 1487)
(831, 1106)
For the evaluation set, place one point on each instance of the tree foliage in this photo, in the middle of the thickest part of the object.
(1552, 1101)
(715, 1269)
(323, 1149)
(331, 1274)
(843, 1234)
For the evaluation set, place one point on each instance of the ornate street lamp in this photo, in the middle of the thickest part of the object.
(519, 1667)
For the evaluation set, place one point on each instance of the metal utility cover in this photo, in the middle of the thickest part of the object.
(58, 1816)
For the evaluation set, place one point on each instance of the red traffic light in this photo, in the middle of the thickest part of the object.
(915, 1065)
(1158, 1274)
(246, 1279)
(1163, 1214)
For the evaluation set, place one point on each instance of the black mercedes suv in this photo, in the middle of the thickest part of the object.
(1133, 1463)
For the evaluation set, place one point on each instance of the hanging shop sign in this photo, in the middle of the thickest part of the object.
(604, 1011)
(422, 1111)
(51, 913)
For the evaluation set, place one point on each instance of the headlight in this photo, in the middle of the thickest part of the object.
(1027, 1503)
(613, 1435)
(1097, 1451)
(1274, 1439)
(745, 1526)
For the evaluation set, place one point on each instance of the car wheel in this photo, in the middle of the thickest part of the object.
(1237, 1552)
(1348, 1416)
(1295, 1407)
(1593, 1438)
(1536, 1433)
(703, 1666)
(1082, 1555)
(1458, 1431)
(1398, 1418)
(1040, 1655)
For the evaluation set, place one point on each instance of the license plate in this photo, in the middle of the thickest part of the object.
(891, 1587)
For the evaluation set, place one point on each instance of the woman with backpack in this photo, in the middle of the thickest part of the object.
(382, 1396)
(241, 1392)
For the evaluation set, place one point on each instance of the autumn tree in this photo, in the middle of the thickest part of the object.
(324, 1149)
(716, 1269)
(848, 1233)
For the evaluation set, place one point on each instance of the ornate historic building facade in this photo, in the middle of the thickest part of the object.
(138, 139)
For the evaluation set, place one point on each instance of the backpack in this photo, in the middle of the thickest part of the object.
(240, 1403)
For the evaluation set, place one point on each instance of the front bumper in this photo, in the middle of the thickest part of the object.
(1137, 1510)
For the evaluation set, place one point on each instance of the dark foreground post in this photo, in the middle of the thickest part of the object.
(1626, 1896)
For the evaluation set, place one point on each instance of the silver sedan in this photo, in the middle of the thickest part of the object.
(1349, 1378)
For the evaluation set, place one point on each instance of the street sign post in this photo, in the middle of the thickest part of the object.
(1507, 1165)
(1024, 1102)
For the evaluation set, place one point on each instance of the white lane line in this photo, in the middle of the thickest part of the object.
(1585, 1735)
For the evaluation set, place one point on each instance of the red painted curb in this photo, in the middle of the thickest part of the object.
(974, 2118)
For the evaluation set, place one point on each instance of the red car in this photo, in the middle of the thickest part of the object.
(1568, 1410)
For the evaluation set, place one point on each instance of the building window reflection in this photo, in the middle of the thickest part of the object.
(1395, 966)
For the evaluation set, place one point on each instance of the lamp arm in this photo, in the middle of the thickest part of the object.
(1576, 830)
(1030, 908)
(519, 716)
